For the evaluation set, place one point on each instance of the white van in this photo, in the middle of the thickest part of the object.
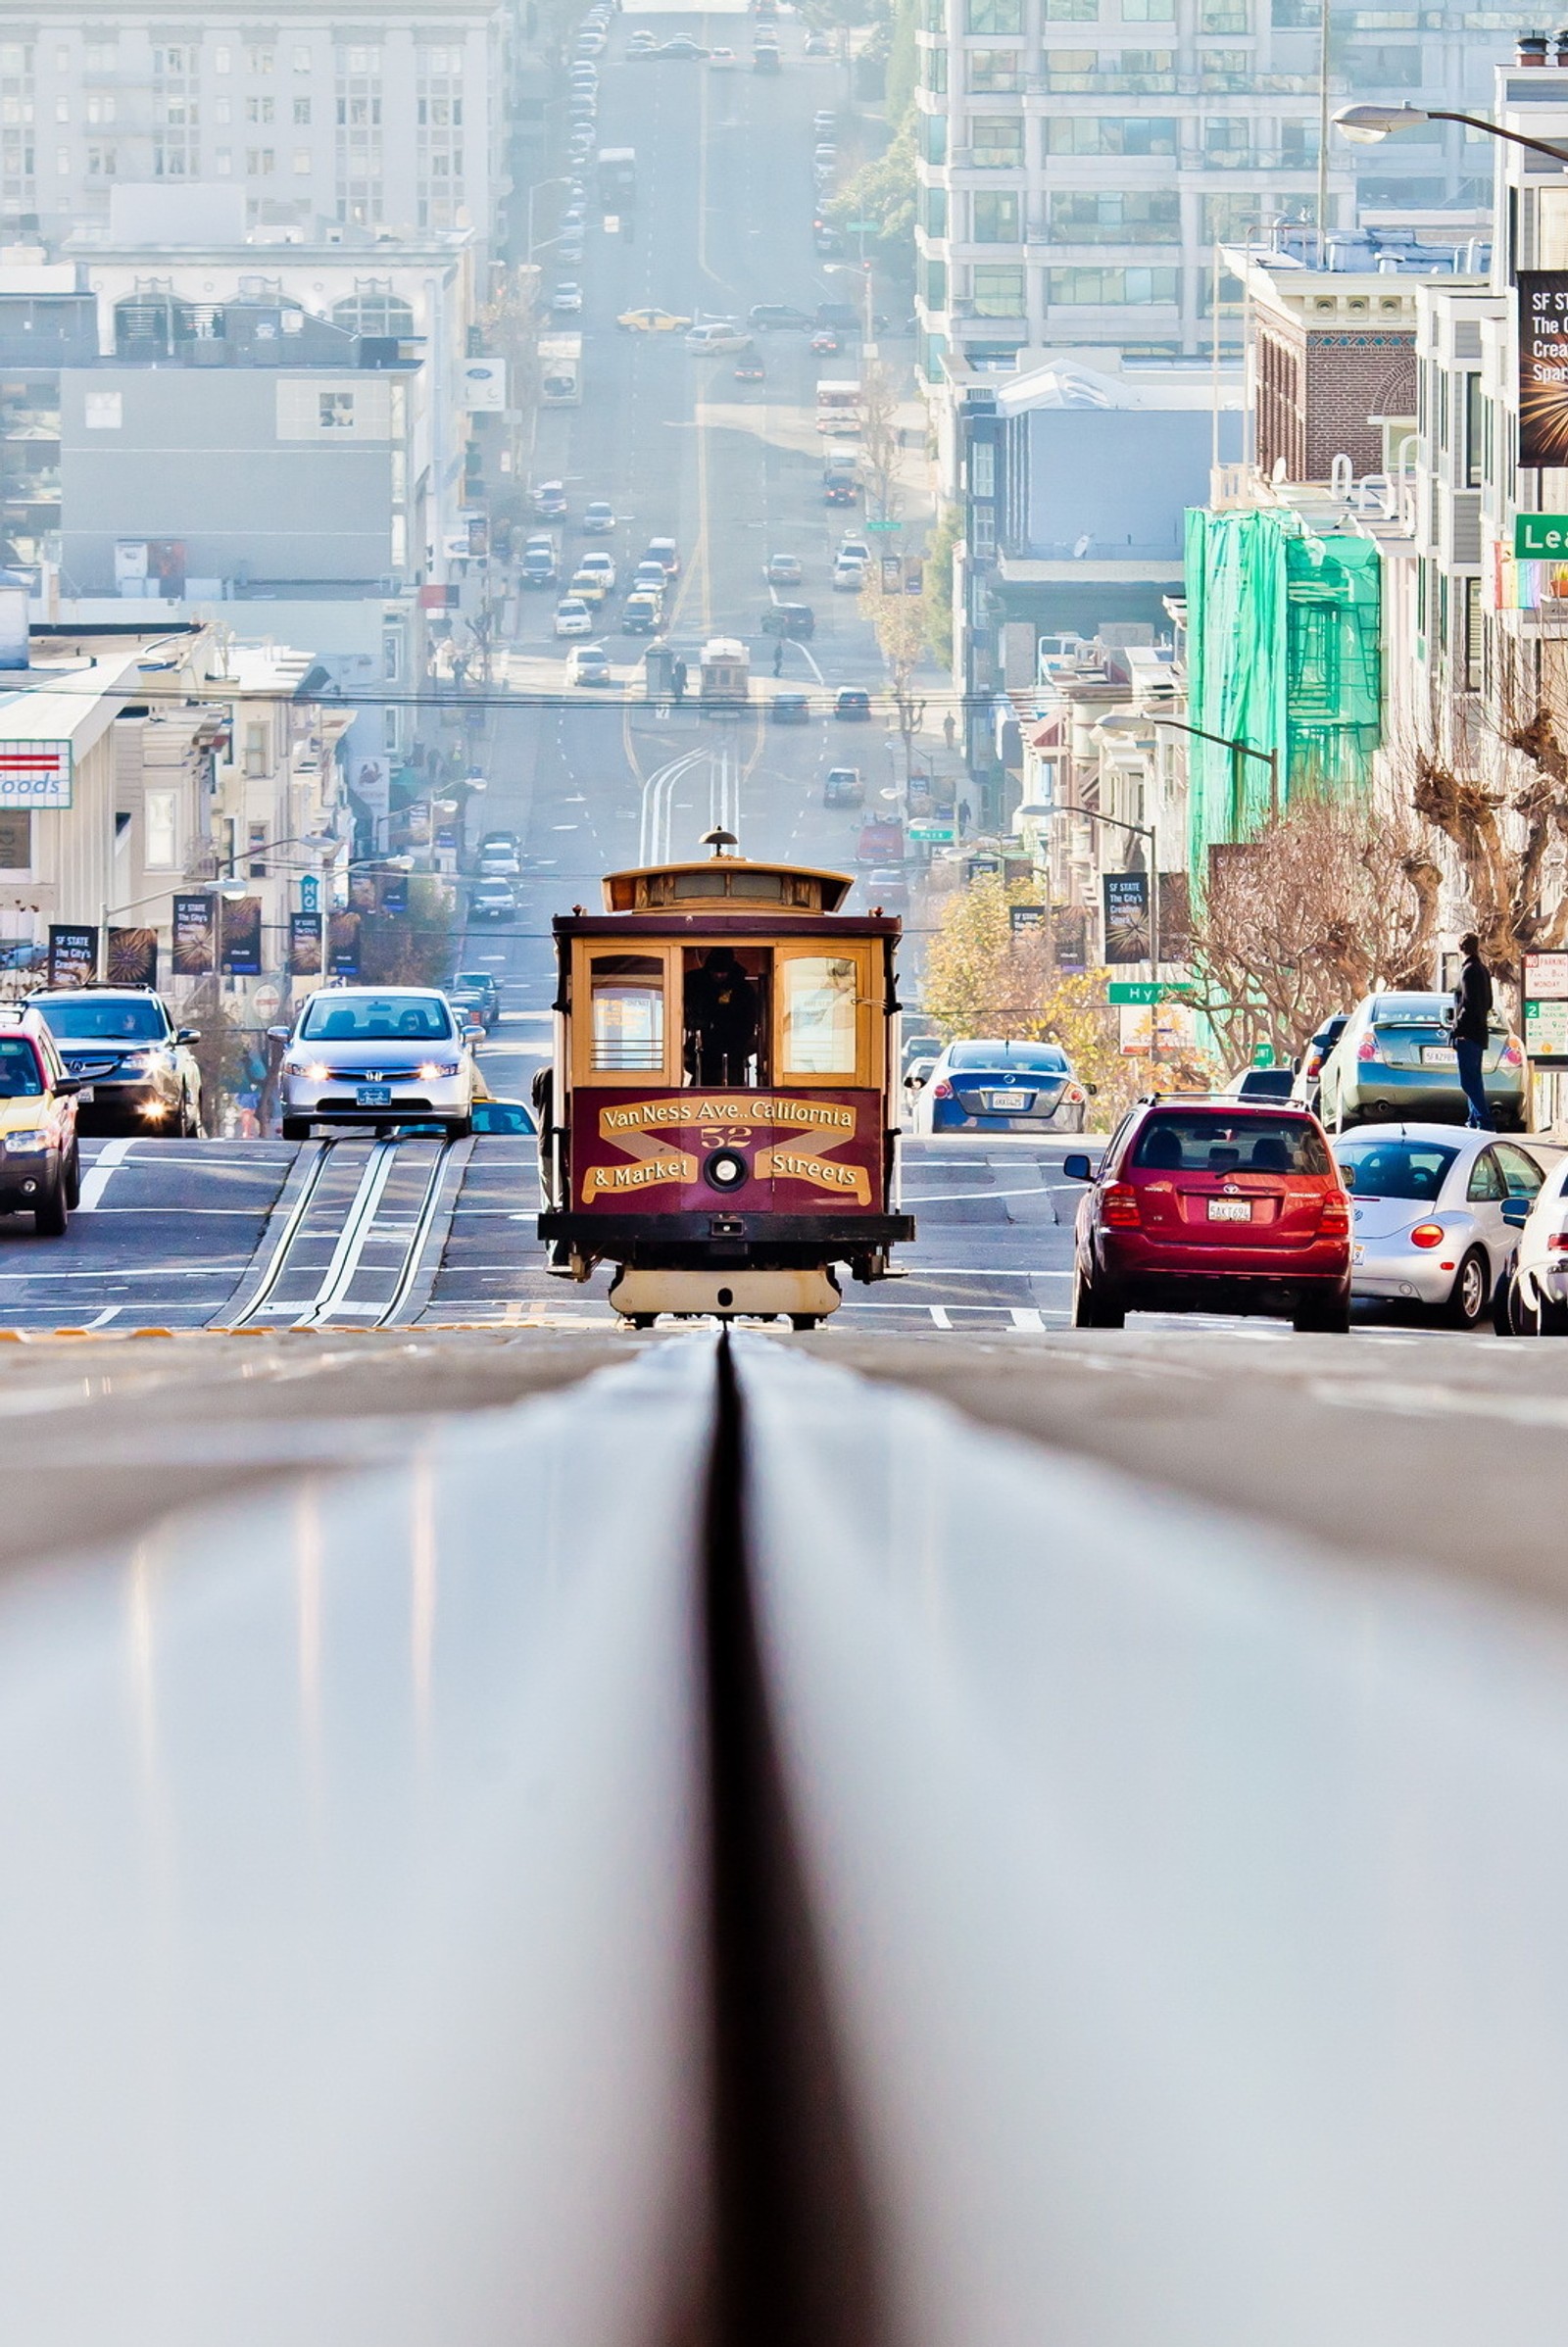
(717, 338)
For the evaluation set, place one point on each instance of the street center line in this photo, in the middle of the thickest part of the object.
(96, 1180)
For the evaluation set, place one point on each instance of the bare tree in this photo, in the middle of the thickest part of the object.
(1299, 923)
(879, 439)
(903, 627)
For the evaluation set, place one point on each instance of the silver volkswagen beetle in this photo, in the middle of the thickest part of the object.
(376, 1056)
(1427, 1224)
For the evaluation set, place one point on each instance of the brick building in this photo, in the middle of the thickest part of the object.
(1332, 353)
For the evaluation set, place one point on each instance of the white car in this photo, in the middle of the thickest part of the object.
(376, 1055)
(1532, 1297)
(854, 550)
(567, 299)
(717, 338)
(848, 573)
(573, 617)
(599, 564)
(588, 665)
(1429, 1227)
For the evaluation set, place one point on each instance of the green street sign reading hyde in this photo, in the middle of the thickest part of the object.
(1540, 537)
(884, 525)
(1147, 990)
(862, 228)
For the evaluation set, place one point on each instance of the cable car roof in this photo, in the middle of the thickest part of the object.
(726, 880)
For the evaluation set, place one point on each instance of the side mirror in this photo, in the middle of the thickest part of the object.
(1077, 1167)
(194, 1035)
(65, 1086)
(1516, 1212)
(1092, 1089)
(277, 1034)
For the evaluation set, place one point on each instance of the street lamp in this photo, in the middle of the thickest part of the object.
(1365, 125)
(1131, 721)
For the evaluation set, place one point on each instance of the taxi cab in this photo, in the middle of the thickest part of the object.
(41, 1171)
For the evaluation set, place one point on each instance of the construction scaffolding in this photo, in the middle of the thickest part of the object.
(1284, 652)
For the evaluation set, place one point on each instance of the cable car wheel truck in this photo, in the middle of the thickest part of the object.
(720, 1117)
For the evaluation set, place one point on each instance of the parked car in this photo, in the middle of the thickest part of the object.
(682, 46)
(1428, 1227)
(796, 621)
(1395, 1059)
(40, 1165)
(852, 550)
(790, 709)
(825, 342)
(1307, 1084)
(825, 121)
(783, 570)
(132, 1060)
(538, 566)
(853, 703)
(1206, 1205)
(588, 665)
(573, 617)
(376, 1056)
(849, 575)
(991, 1085)
(817, 44)
(842, 317)
(1531, 1298)
(843, 787)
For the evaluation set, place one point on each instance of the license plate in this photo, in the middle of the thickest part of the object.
(1229, 1209)
(85, 1094)
(1359, 1254)
(373, 1095)
(1438, 1054)
(1010, 1100)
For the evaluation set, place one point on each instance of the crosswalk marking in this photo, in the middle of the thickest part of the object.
(1026, 1316)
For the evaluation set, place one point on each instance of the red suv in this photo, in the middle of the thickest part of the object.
(1212, 1206)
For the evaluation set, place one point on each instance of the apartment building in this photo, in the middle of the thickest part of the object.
(362, 115)
(1081, 159)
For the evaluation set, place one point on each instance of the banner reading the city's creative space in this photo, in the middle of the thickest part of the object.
(1127, 936)
(73, 955)
(343, 944)
(132, 958)
(305, 945)
(1544, 367)
(193, 937)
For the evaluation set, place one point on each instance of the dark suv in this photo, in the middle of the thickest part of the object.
(121, 1044)
(1209, 1205)
(777, 314)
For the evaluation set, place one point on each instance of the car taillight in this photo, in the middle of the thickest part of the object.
(942, 1091)
(1428, 1234)
(1336, 1214)
(1074, 1094)
(1119, 1207)
(1368, 1047)
(1557, 1239)
(1314, 1060)
(1512, 1054)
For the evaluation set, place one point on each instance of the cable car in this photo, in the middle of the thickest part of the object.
(724, 677)
(720, 1121)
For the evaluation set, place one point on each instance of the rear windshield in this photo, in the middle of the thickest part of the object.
(100, 1018)
(1195, 1143)
(1393, 1168)
(1419, 1011)
(1038, 1058)
(377, 1018)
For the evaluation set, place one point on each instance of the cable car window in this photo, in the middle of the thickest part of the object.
(725, 1014)
(627, 992)
(819, 1003)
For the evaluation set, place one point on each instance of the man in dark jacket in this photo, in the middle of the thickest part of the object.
(1472, 1017)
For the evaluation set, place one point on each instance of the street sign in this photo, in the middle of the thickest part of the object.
(862, 228)
(1022, 917)
(1263, 1054)
(938, 834)
(884, 525)
(1540, 537)
(1148, 990)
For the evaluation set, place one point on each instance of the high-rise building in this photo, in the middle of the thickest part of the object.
(1079, 159)
(385, 116)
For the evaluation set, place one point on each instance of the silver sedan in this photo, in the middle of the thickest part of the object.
(376, 1055)
(1427, 1224)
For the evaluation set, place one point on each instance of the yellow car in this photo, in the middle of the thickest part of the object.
(589, 586)
(40, 1172)
(653, 321)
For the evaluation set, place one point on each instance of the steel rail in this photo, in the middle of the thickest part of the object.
(424, 1223)
(279, 1259)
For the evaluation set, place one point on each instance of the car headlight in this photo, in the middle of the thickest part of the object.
(317, 1070)
(431, 1068)
(27, 1142)
(139, 1063)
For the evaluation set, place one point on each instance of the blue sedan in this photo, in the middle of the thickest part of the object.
(1001, 1086)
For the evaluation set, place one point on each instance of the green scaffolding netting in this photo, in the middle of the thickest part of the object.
(1283, 652)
